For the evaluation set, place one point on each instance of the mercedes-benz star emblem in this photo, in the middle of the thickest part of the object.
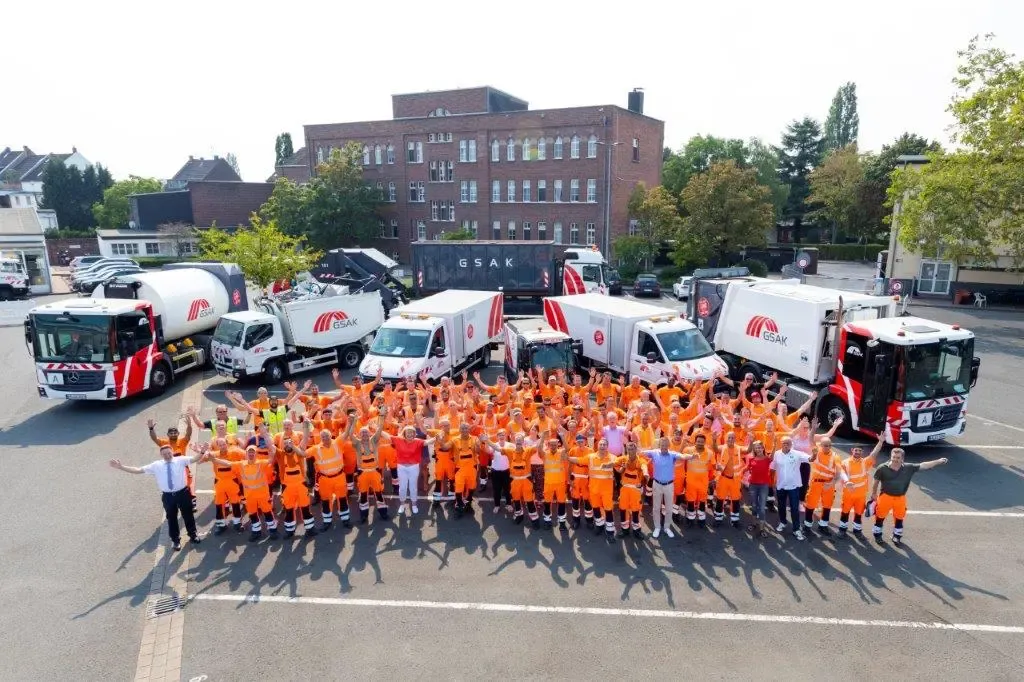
(937, 415)
(73, 377)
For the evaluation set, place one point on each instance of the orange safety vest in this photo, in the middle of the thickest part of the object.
(600, 468)
(825, 467)
(253, 477)
(519, 465)
(465, 452)
(859, 471)
(580, 469)
(632, 476)
(731, 456)
(227, 473)
(645, 436)
(553, 468)
(700, 464)
(329, 461)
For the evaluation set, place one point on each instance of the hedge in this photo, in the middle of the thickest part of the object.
(757, 267)
(847, 252)
(158, 261)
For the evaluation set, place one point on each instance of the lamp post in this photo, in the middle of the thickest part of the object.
(605, 245)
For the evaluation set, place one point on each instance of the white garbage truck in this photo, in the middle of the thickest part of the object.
(440, 334)
(906, 377)
(531, 343)
(632, 338)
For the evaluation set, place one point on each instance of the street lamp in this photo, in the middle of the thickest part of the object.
(605, 248)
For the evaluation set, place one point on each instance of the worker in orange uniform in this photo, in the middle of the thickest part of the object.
(444, 463)
(330, 478)
(730, 468)
(225, 484)
(855, 495)
(893, 479)
(522, 487)
(826, 471)
(633, 472)
(554, 482)
(579, 491)
(178, 446)
(252, 472)
(677, 442)
(698, 470)
(465, 448)
(291, 459)
(370, 482)
(601, 470)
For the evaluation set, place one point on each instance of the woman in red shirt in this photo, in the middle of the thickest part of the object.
(758, 467)
(408, 454)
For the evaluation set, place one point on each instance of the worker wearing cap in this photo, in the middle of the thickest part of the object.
(826, 472)
(857, 468)
(330, 480)
(554, 482)
(893, 480)
(633, 471)
(252, 472)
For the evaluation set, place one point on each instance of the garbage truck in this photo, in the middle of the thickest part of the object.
(905, 377)
(532, 343)
(135, 335)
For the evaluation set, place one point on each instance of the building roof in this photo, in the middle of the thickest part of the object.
(300, 159)
(36, 174)
(912, 158)
(204, 169)
(19, 221)
(26, 165)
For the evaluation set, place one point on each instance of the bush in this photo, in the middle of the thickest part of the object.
(158, 261)
(757, 268)
(628, 272)
(847, 252)
(671, 272)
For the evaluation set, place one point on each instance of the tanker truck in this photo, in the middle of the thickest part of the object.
(136, 334)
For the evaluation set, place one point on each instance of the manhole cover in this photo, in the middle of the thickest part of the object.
(163, 606)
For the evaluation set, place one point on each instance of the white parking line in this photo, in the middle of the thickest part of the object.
(593, 611)
(989, 422)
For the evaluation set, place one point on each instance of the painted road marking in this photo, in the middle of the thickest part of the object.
(594, 611)
(990, 422)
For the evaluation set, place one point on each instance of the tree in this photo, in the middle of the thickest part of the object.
(462, 234)
(800, 152)
(282, 148)
(837, 187)
(72, 193)
(968, 205)
(114, 211)
(179, 235)
(232, 161)
(727, 209)
(654, 218)
(264, 253)
(696, 156)
(765, 162)
(843, 122)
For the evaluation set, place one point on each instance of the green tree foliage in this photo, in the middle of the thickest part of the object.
(765, 162)
(113, 212)
(656, 219)
(800, 152)
(969, 204)
(630, 252)
(282, 148)
(232, 161)
(836, 188)
(459, 235)
(727, 209)
(71, 193)
(263, 251)
(843, 122)
(336, 208)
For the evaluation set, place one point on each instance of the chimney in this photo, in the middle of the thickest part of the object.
(74, 149)
(191, 158)
(636, 101)
(215, 157)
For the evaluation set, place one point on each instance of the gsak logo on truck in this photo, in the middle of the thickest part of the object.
(334, 319)
(199, 308)
(479, 263)
(766, 329)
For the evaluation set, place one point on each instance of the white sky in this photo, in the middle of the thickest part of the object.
(138, 86)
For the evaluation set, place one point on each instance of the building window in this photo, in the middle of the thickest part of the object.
(591, 234)
(636, 148)
(495, 191)
(443, 211)
(542, 190)
(557, 233)
(440, 111)
(592, 147)
(511, 191)
(591, 190)
(511, 230)
(417, 192)
(558, 190)
(391, 192)
(431, 137)
(527, 147)
(542, 149)
(526, 231)
(496, 229)
(542, 231)
(574, 233)
(467, 151)
(433, 171)
(511, 149)
(574, 147)
(557, 153)
(441, 171)
(472, 191)
(470, 226)
(184, 248)
(152, 248)
(633, 227)
(526, 191)
(378, 157)
(391, 153)
(495, 151)
(381, 229)
(366, 155)
(319, 154)
(421, 230)
(380, 191)
(447, 137)
(125, 249)
(434, 210)
(574, 190)
(464, 191)
(415, 152)
(394, 228)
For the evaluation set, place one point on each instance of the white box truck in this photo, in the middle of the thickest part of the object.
(633, 338)
(906, 377)
(285, 335)
(440, 334)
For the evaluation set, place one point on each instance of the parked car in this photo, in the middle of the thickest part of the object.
(87, 284)
(646, 285)
(88, 270)
(614, 283)
(83, 261)
(681, 288)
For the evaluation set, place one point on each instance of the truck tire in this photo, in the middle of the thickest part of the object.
(274, 372)
(349, 356)
(751, 368)
(832, 408)
(6, 293)
(159, 379)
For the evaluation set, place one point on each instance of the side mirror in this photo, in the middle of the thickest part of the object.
(652, 357)
(881, 364)
(126, 344)
(975, 368)
(439, 352)
(577, 347)
(28, 331)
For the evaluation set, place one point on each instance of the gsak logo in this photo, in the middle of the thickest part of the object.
(200, 308)
(483, 262)
(335, 319)
(766, 329)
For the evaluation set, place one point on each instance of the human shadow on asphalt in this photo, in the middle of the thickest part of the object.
(968, 479)
(139, 593)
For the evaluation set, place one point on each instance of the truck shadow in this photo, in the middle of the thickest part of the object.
(968, 479)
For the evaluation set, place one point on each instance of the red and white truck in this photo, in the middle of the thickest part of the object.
(135, 335)
(906, 377)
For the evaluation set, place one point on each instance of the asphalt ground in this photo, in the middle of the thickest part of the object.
(436, 596)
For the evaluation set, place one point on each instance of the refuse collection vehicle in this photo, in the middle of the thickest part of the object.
(533, 343)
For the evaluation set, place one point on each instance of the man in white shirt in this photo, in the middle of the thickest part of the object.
(786, 465)
(169, 472)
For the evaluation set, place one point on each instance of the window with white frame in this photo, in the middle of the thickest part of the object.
(188, 247)
(574, 190)
(437, 236)
(527, 149)
(442, 171)
(391, 192)
(556, 234)
(381, 228)
(152, 248)
(378, 155)
(574, 147)
(366, 155)
(464, 191)
(421, 230)
(380, 190)
(557, 148)
(394, 228)
(435, 210)
(636, 149)
(511, 230)
(558, 190)
(527, 191)
(467, 151)
(574, 233)
(470, 226)
(414, 152)
(591, 190)
(542, 149)
(591, 234)
(542, 190)
(319, 154)
(124, 249)
(592, 147)
(472, 191)
(511, 191)
(495, 191)
(495, 151)
(417, 192)
(496, 229)
(434, 177)
(391, 153)
(510, 148)
(634, 227)
(431, 137)
(542, 231)
(527, 229)
(443, 211)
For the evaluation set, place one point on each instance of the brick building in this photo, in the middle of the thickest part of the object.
(480, 159)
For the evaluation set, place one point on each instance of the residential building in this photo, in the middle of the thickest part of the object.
(21, 176)
(296, 168)
(21, 237)
(480, 159)
(200, 170)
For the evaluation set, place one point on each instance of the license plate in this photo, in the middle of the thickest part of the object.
(75, 396)
(936, 437)
(55, 379)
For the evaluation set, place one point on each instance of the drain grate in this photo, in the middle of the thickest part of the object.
(164, 605)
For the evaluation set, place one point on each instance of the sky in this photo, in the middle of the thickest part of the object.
(140, 86)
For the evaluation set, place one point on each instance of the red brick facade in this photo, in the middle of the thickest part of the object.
(613, 128)
(84, 246)
(229, 204)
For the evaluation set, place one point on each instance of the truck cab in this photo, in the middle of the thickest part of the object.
(407, 345)
(668, 345)
(244, 341)
(531, 343)
(13, 279)
(584, 271)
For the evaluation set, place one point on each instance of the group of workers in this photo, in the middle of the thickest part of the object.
(554, 449)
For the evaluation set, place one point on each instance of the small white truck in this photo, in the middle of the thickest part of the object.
(532, 343)
(288, 334)
(633, 338)
(440, 334)
(13, 278)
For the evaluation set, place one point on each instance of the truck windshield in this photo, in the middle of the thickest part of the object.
(229, 332)
(70, 338)
(685, 344)
(938, 370)
(553, 356)
(11, 266)
(400, 343)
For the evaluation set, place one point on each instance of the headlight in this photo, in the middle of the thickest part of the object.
(924, 419)
(238, 363)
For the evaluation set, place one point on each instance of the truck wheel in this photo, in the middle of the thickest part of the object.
(274, 372)
(159, 379)
(349, 357)
(752, 368)
(6, 293)
(830, 410)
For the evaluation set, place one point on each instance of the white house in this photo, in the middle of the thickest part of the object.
(21, 237)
